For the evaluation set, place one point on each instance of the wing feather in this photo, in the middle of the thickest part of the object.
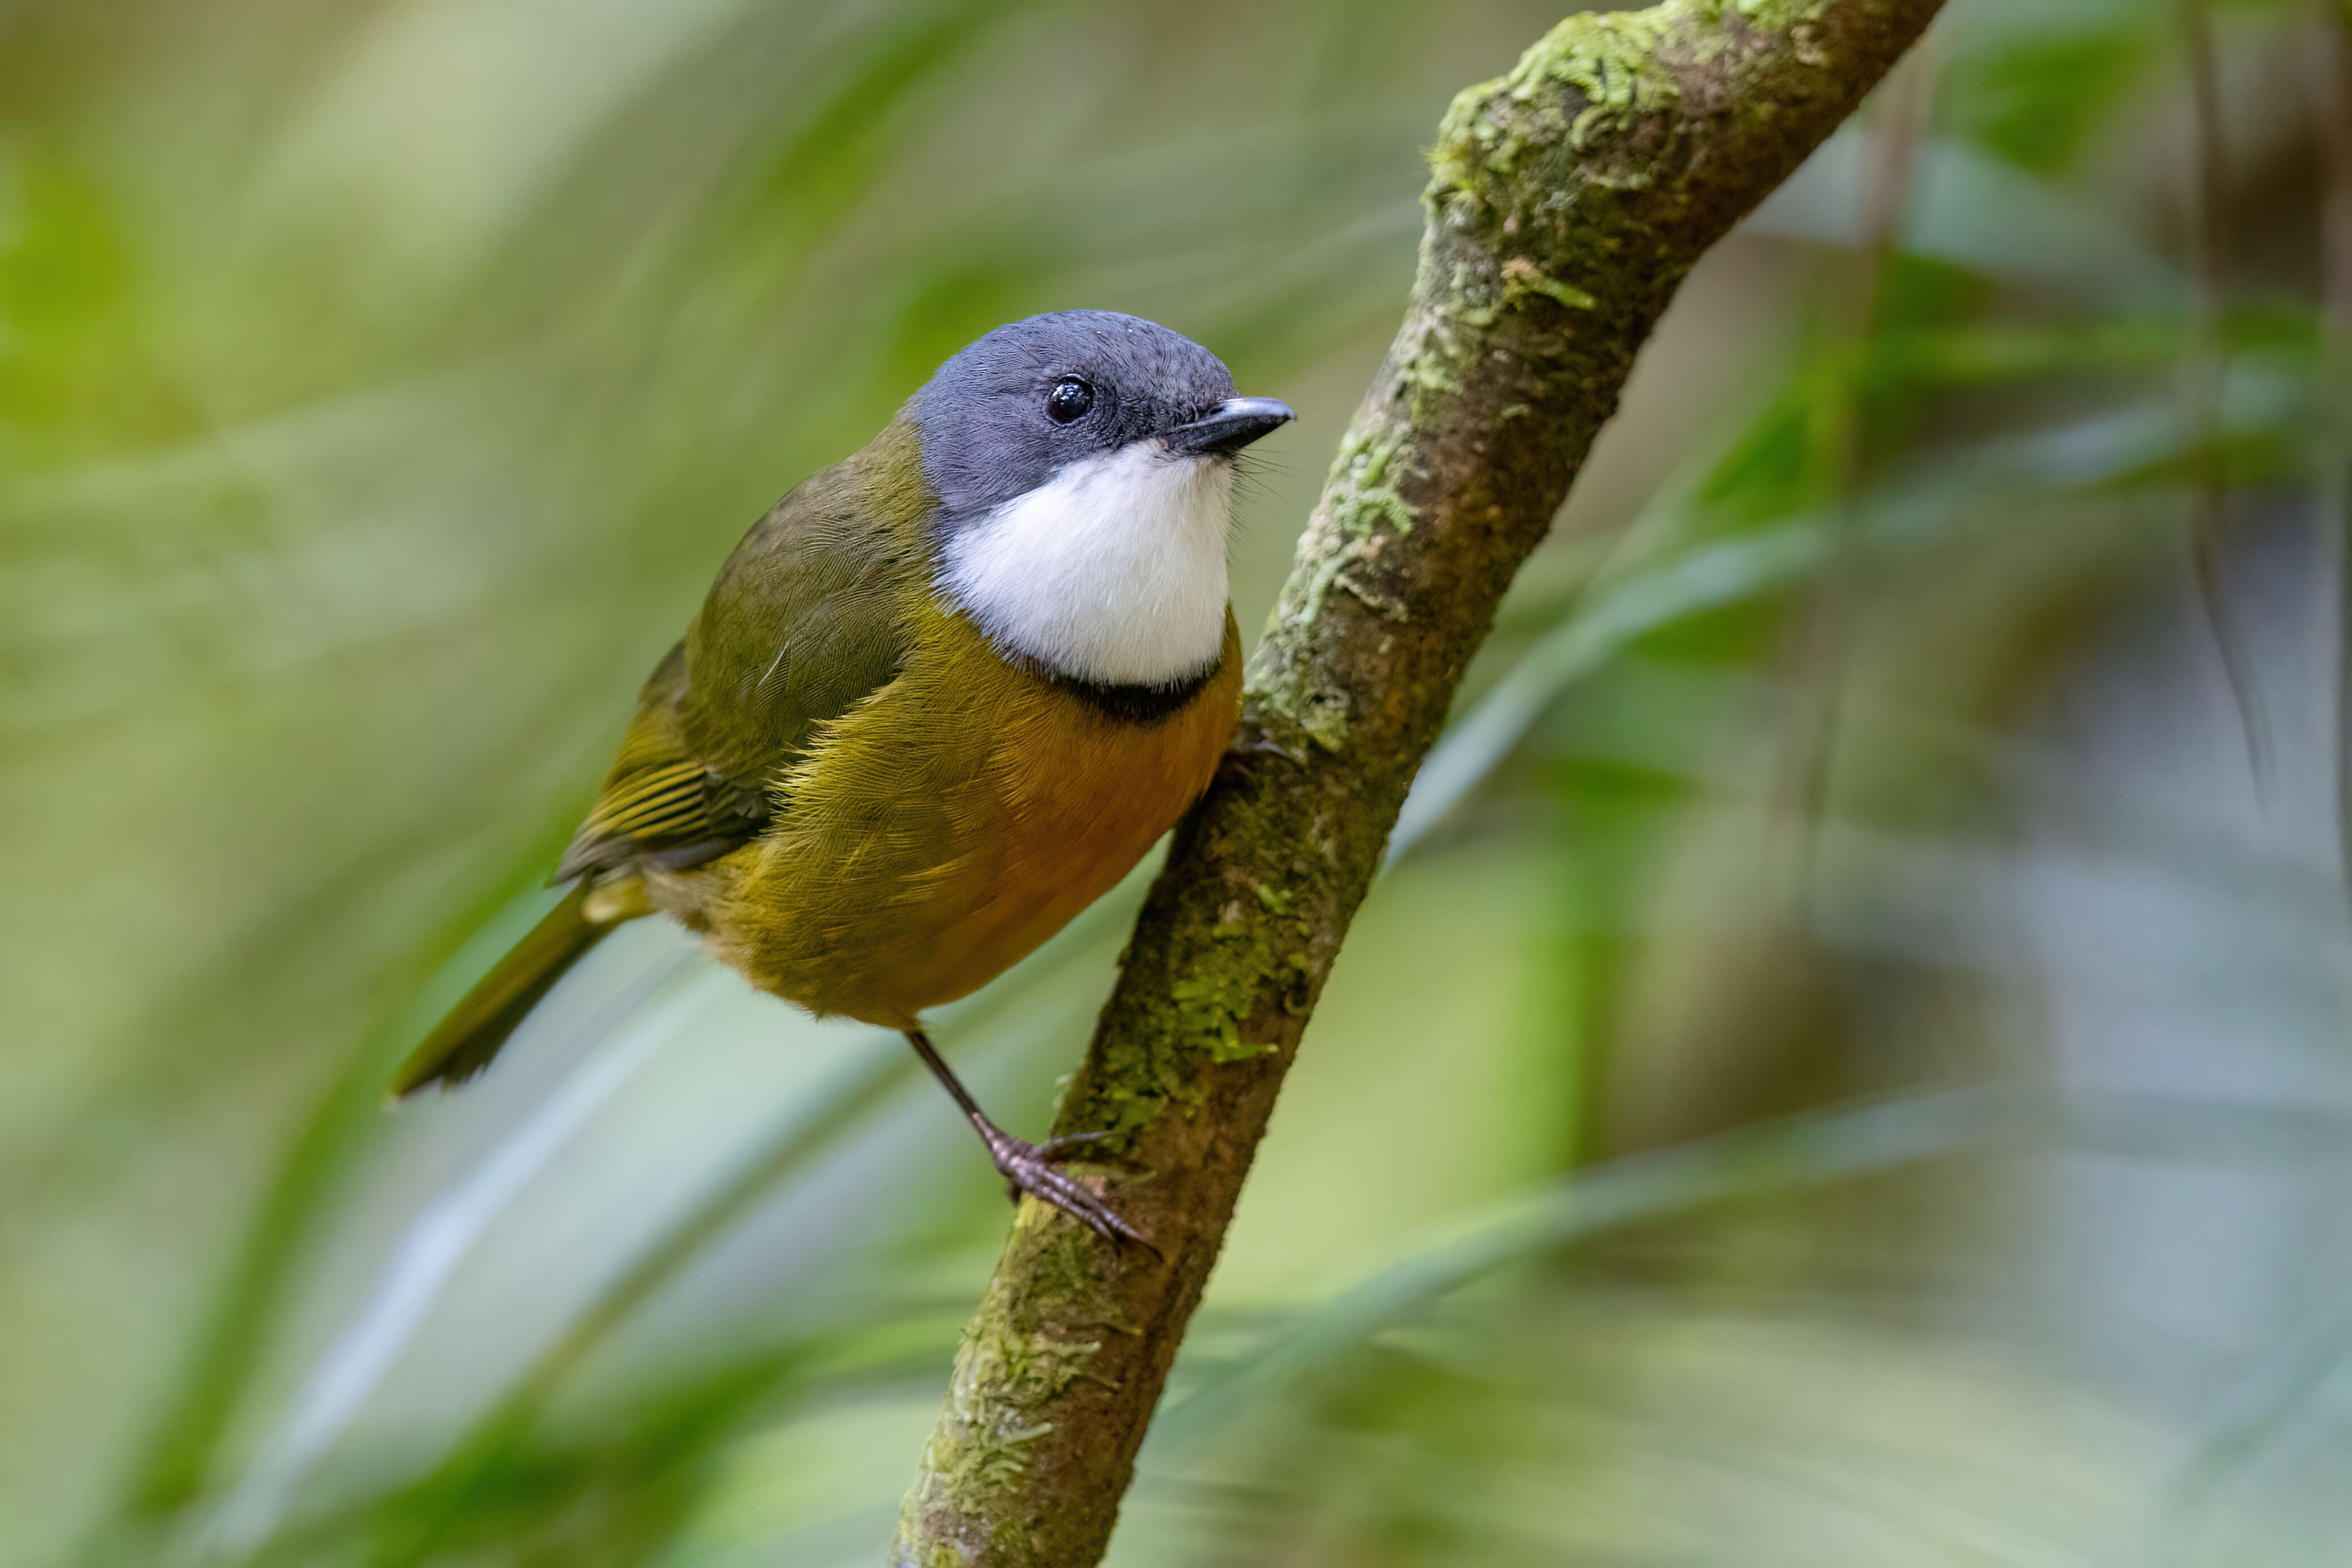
(802, 624)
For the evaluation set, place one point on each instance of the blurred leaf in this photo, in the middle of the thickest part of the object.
(2036, 100)
(1814, 1150)
(1974, 212)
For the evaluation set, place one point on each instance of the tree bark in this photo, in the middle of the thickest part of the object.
(1568, 201)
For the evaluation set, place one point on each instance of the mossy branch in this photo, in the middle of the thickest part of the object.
(1569, 199)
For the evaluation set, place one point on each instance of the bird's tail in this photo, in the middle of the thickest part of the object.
(463, 1043)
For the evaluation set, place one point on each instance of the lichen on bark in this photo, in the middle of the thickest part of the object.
(1566, 201)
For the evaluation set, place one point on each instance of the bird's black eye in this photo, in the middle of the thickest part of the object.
(1068, 401)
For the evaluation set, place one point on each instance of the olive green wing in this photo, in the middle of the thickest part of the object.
(802, 622)
(661, 803)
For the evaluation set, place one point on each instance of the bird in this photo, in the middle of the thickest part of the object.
(943, 696)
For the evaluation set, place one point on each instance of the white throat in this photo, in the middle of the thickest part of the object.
(1113, 571)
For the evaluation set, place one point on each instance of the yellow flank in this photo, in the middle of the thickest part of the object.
(941, 829)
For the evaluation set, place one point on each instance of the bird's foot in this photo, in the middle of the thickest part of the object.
(1030, 1167)
(1054, 1151)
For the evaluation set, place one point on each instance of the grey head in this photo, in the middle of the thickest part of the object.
(1002, 417)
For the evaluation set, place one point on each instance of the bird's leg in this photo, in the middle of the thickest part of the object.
(1029, 1167)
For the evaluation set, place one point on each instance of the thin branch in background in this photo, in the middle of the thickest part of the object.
(2332, 128)
(2207, 366)
(1825, 630)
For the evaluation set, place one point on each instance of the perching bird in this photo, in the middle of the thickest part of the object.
(940, 699)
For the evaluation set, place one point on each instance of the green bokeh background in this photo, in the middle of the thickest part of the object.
(1848, 1067)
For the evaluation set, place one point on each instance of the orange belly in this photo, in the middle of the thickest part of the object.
(951, 824)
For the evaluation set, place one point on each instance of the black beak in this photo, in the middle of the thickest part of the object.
(1234, 423)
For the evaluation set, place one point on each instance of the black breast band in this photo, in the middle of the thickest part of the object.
(1130, 703)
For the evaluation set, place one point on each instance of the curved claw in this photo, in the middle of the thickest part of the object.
(1054, 1151)
(1030, 1169)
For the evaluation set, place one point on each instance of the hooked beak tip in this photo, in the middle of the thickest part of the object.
(1233, 425)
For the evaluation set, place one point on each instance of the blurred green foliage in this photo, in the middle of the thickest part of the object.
(1847, 1065)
